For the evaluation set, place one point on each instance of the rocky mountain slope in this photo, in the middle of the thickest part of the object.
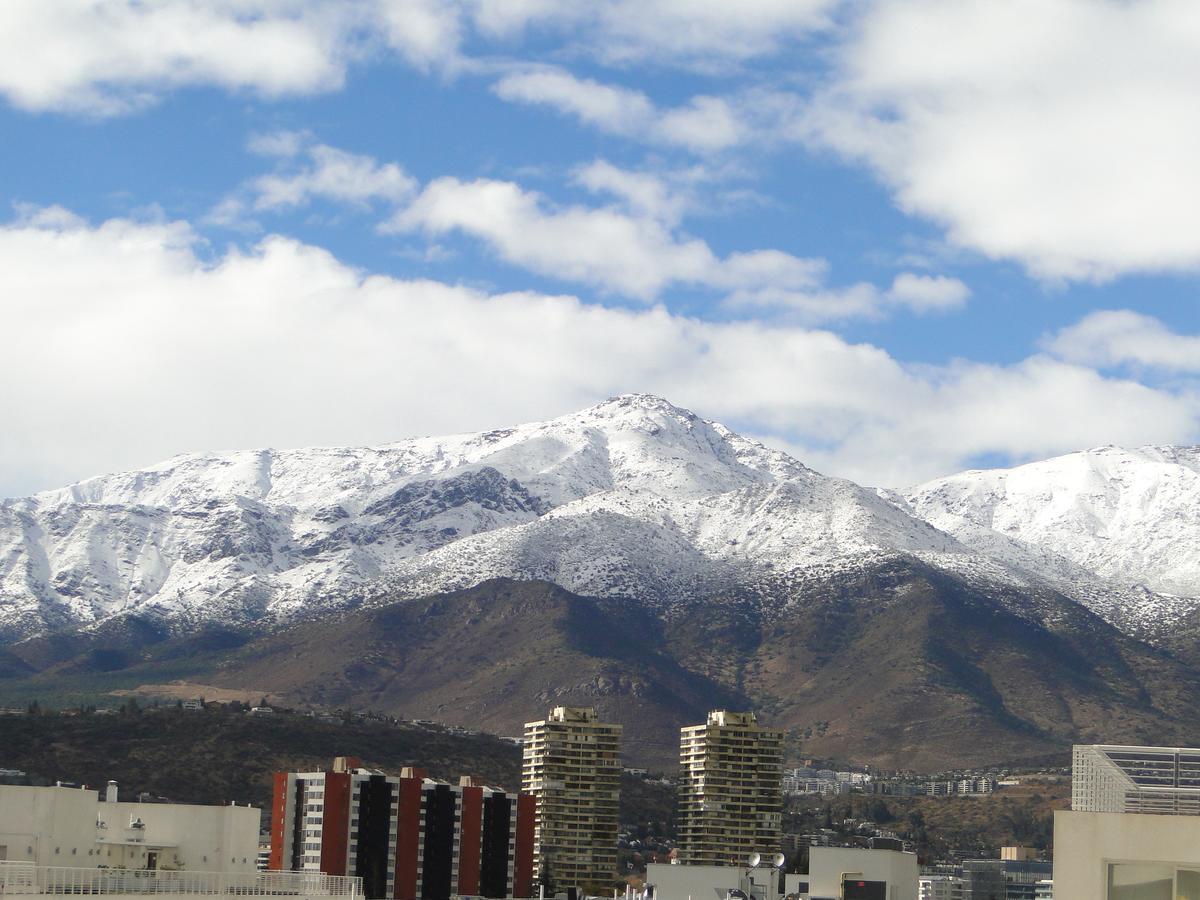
(633, 497)
(636, 557)
(901, 665)
(1119, 529)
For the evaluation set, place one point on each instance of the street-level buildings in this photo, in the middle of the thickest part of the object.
(407, 836)
(572, 765)
(730, 801)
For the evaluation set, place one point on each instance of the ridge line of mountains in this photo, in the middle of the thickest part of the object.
(639, 558)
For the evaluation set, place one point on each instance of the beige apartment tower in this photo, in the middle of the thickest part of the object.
(731, 793)
(572, 764)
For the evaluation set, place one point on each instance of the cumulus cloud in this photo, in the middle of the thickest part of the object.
(702, 124)
(308, 171)
(105, 58)
(632, 245)
(1061, 134)
(332, 174)
(1110, 338)
(817, 303)
(128, 334)
(117, 56)
(698, 33)
(929, 293)
(637, 255)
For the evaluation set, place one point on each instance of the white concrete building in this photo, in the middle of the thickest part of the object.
(70, 827)
(678, 882)
(849, 872)
(1133, 830)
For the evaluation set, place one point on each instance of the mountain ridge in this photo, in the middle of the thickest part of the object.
(633, 497)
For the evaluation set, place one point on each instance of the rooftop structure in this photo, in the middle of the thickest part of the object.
(1153, 780)
(1133, 830)
(74, 828)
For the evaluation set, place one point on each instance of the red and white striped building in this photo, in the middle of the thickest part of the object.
(409, 837)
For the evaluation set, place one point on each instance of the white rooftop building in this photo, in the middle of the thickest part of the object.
(60, 840)
(1133, 830)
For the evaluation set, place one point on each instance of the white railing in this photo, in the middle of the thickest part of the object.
(26, 878)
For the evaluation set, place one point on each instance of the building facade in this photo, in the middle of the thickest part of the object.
(731, 801)
(856, 873)
(572, 765)
(75, 828)
(406, 836)
(983, 879)
(1121, 779)
(940, 887)
(1133, 830)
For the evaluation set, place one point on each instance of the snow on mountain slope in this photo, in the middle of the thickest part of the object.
(1118, 528)
(632, 497)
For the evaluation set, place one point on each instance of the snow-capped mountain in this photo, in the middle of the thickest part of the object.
(633, 497)
(1119, 529)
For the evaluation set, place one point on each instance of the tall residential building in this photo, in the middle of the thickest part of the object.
(731, 796)
(406, 836)
(572, 764)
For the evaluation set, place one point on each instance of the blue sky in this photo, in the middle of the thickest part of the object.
(897, 239)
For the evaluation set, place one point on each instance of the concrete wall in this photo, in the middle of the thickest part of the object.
(48, 826)
(1085, 843)
(206, 838)
(826, 866)
(700, 882)
(53, 826)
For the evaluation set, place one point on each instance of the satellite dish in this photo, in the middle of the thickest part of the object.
(778, 860)
(753, 860)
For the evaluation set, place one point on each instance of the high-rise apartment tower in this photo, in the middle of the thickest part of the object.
(731, 795)
(572, 764)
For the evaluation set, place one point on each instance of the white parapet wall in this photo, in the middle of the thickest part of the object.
(1144, 855)
(25, 881)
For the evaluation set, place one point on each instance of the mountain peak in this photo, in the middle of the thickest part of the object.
(639, 404)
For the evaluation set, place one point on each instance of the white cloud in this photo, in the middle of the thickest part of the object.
(104, 58)
(604, 247)
(1121, 337)
(642, 192)
(332, 174)
(703, 124)
(1061, 134)
(929, 293)
(632, 253)
(817, 303)
(702, 34)
(129, 347)
(307, 171)
(115, 56)
(284, 144)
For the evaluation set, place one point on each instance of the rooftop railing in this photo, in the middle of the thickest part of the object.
(17, 878)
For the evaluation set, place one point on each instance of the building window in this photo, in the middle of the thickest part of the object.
(1140, 881)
